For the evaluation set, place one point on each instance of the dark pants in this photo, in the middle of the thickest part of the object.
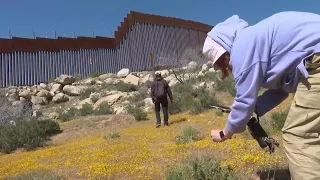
(164, 104)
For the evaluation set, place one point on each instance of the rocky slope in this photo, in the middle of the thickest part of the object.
(68, 92)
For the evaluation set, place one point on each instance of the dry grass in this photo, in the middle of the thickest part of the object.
(141, 151)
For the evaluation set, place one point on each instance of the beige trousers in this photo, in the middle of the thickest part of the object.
(302, 127)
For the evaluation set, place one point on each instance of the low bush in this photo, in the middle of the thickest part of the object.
(126, 87)
(94, 75)
(85, 110)
(26, 134)
(138, 113)
(141, 95)
(193, 100)
(103, 109)
(188, 134)
(279, 118)
(14, 113)
(226, 85)
(200, 168)
(67, 115)
(86, 93)
(219, 113)
(38, 174)
(113, 135)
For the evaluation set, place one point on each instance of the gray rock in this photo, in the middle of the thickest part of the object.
(39, 100)
(65, 79)
(60, 97)
(72, 90)
(123, 73)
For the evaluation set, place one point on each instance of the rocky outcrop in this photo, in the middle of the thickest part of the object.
(67, 88)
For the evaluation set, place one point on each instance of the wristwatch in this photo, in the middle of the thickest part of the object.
(221, 134)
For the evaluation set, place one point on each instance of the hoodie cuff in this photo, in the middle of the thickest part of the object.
(235, 128)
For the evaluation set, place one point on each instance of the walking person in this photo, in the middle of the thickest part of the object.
(282, 54)
(160, 90)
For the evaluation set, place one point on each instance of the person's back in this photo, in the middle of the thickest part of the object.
(282, 54)
(277, 42)
(160, 90)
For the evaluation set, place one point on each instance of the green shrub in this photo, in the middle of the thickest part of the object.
(113, 135)
(189, 133)
(26, 134)
(84, 94)
(188, 99)
(8, 112)
(85, 110)
(35, 175)
(94, 75)
(126, 87)
(141, 95)
(103, 109)
(200, 168)
(137, 113)
(219, 113)
(226, 85)
(279, 118)
(67, 115)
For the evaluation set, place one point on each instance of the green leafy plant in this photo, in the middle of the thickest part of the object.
(200, 168)
(188, 134)
(279, 118)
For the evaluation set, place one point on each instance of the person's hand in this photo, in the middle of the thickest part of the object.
(152, 100)
(215, 135)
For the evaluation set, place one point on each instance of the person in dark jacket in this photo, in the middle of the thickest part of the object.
(160, 90)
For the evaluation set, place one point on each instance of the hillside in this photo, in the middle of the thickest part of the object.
(108, 130)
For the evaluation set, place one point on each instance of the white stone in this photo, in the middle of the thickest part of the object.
(123, 72)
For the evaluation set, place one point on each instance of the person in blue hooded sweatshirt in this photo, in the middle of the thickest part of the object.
(282, 54)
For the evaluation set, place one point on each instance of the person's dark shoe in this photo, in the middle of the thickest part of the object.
(166, 124)
(158, 125)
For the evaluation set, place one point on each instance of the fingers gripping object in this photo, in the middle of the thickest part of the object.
(256, 131)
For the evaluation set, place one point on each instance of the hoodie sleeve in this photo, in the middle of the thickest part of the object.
(249, 59)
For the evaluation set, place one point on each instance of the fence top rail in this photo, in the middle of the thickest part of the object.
(80, 42)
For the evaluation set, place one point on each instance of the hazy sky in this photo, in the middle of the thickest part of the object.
(102, 17)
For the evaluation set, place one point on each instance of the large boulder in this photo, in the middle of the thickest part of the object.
(65, 79)
(56, 88)
(145, 79)
(26, 94)
(204, 67)
(132, 79)
(73, 90)
(43, 86)
(173, 82)
(39, 100)
(60, 97)
(192, 66)
(112, 81)
(123, 73)
(44, 93)
(111, 99)
(169, 78)
(89, 81)
(164, 73)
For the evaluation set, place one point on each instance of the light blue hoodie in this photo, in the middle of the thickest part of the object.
(268, 54)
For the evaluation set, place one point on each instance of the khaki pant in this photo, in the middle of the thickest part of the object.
(302, 127)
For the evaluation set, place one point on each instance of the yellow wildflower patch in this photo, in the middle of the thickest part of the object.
(141, 152)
